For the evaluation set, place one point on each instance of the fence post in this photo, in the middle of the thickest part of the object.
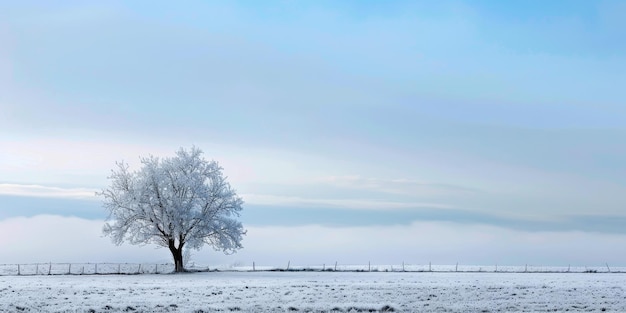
(18, 270)
(96, 270)
(456, 268)
(253, 267)
(50, 268)
(430, 267)
(335, 266)
(369, 266)
(139, 269)
(156, 268)
(69, 269)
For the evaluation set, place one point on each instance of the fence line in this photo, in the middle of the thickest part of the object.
(154, 268)
(49, 268)
(429, 267)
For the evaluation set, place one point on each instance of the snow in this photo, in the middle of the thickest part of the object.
(316, 292)
(182, 201)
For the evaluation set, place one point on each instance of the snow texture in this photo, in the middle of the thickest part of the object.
(316, 292)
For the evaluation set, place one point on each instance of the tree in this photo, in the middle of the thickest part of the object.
(175, 202)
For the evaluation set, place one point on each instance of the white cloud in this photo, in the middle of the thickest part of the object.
(77, 160)
(65, 239)
(400, 186)
(52, 238)
(46, 192)
(363, 204)
(423, 242)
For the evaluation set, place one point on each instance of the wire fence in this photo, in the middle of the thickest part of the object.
(435, 268)
(84, 269)
(152, 268)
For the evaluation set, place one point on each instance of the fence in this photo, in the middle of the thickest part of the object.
(84, 269)
(406, 267)
(151, 268)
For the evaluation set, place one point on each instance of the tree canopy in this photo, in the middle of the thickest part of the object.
(176, 202)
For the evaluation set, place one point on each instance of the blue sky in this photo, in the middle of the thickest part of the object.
(373, 121)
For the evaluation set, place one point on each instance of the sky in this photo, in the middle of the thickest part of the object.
(477, 132)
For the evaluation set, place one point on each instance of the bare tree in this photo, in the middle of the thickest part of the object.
(176, 202)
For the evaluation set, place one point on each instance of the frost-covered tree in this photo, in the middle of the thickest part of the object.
(176, 202)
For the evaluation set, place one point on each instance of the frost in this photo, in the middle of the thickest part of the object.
(178, 202)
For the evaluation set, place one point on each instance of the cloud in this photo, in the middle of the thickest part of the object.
(357, 204)
(47, 238)
(54, 238)
(401, 186)
(46, 192)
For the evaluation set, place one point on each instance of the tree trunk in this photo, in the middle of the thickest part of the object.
(177, 253)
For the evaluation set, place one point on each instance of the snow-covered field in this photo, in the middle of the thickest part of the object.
(316, 292)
